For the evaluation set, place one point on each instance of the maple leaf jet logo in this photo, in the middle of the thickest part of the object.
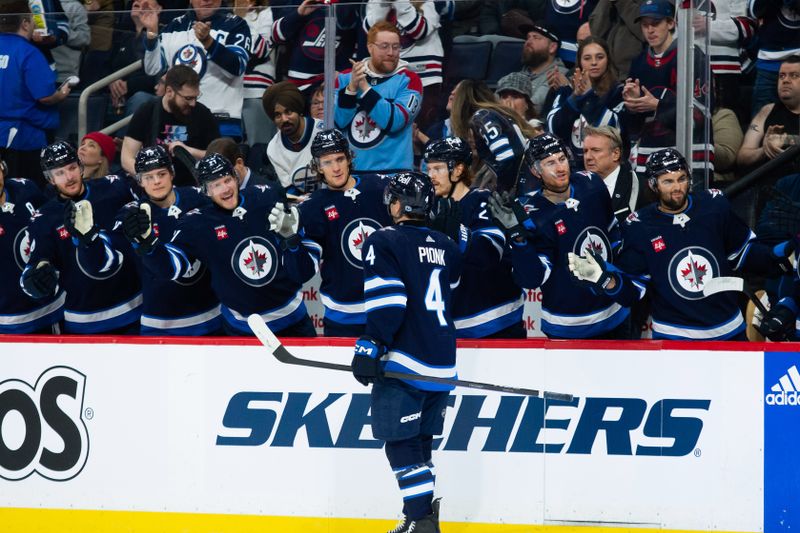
(255, 260)
(694, 273)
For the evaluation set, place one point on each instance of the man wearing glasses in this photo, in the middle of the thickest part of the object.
(176, 119)
(376, 103)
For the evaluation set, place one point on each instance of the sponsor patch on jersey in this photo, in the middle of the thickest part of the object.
(658, 244)
(353, 237)
(561, 228)
(63, 234)
(255, 261)
(592, 239)
(193, 57)
(2, 231)
(155, 230)
(222, 232)
(331, 213)
(364, 132)
(690, 269)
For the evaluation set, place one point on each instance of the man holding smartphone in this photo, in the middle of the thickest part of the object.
(27, 91)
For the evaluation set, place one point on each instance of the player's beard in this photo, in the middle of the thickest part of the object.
(670, 203)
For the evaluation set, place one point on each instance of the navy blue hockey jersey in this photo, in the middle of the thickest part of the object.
(565, 17)
(18, 312)
(675, 255)
(409, 274)
(487, 300)
(245, 260)
(187, 305)
(584, 222)
(340, 222)
(101, 281)
(501, 145)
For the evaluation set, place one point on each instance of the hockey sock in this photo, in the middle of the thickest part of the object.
(427, 453)
(414, 477)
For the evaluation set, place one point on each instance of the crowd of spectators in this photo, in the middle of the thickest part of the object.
(247, 78)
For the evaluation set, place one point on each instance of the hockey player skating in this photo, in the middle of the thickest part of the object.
(571, 213)
(19, 199)
(187, 305)
(674, 247)
(409, 274)
(339, 218)
(487, 302)
(71, 249)
(231, 237)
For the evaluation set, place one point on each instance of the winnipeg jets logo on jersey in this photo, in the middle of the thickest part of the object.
(174, 211)
(7, 207)
(566, 6)
(364, 132)
(192, 56)
(103, 274)
(193, 275)
(353, 237)
(572, 203)
(255, 261)
(592, 239)
(681, 219)
(690, 269)
(23, 248)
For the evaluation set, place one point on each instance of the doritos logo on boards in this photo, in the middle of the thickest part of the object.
(222, 232)
(561, 228)
(658, 244)
(331, 213)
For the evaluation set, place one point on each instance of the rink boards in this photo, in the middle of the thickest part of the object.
(144, 435)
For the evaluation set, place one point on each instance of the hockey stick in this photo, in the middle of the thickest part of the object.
(726, 284)
(268, 339)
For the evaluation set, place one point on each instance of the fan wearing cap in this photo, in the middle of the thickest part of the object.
(649, 93)
(97, 152)
(19, 199)
(231, 237)
(289, 151)
(487, 302)
(338, 217)
(673, 248)
(540, 61)
(570, 213)
(565, 17)
(187, 305)
(514, 92)
(74, 248)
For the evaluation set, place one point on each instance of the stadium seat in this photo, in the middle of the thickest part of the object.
(506, 58)
(468, 61)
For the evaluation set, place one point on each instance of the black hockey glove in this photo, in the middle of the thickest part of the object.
(447, 219)
(779, 323)
(40, 282)
(79, 221)
(367, 360)
(138, 229)
(510, 216)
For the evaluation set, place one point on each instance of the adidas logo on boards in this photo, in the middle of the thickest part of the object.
(785, 391)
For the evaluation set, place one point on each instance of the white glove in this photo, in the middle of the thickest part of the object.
(145, 207)
(84, 219)
(584, 268)
(284, 223)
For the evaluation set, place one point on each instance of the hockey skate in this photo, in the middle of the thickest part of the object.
(429, 524)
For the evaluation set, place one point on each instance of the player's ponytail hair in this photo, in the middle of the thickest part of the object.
(472, 95)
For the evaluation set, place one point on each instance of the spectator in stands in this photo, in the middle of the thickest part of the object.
(564, 18)
(98, 56)
(591, 98)
(316, 104)
(514, 92)
(130, 92)
(176, 119)
(604, 154)
(419, 24)
(260, 74)
(68, 56)
(27, 92)
(649, 93)
(616, 22)
(300, 25)
(220, 61)
(498, 134)
(778, 39)
(728, 138)
(377, 102)
(539, 61)
(230, 150)
(583, 33)
(96, 152)
(289, 151)
(57, 30)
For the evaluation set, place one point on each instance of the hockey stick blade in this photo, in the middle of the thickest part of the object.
(279, 351)
(730, 283)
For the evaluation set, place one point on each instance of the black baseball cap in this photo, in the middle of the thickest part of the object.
(542, 28)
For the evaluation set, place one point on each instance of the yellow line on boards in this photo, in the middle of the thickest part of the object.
(83, 521)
